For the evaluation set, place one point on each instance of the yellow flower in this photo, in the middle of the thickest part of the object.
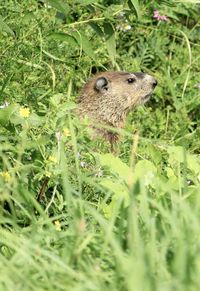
(57, 225)
(24, 112)
(53, 159)
(66, 132)
(6, 176)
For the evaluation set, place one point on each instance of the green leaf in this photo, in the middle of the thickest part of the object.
(59, 5)
(188, 1)
(86, 2)
(64, 37)
(110, 41)
(155, 154)
(84, 43)
(120, 195)
(173, 182)
(193, 163)
(5, 27)
(178, 154)
(36, 120)
(6, 113)
(135, 5)
(145, 171)
(97, 29)
(116, 166)
(120, 190)
(56, 99)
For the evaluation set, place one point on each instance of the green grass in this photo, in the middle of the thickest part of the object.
(126, 222)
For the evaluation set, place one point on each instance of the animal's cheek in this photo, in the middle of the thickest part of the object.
(147, 87)
(137, 87)
(132, 100)
(128, 99)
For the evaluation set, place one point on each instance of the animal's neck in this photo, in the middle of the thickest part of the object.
(103, 112)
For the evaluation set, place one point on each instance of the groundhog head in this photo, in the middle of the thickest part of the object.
(109, 96)
(125, 89)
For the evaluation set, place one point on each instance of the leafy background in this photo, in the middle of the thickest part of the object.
(126, 222)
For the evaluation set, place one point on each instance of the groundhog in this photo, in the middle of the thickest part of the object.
(108, 97)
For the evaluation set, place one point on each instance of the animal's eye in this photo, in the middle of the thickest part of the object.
(131, 80)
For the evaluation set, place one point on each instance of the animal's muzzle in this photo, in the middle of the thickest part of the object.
(154, 83)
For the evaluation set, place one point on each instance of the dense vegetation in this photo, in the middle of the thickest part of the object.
(104, 222)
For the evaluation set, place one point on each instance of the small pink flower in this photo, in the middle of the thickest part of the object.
(157, 16)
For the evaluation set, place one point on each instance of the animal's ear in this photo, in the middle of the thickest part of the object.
(101, 84)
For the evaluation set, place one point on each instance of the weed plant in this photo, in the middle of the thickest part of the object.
(104, 222)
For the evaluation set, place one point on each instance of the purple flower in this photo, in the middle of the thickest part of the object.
(157, 16)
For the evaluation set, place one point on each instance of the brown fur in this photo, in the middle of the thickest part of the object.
(109, 104)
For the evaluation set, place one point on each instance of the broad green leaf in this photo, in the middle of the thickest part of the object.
(64, 37)
(155, 154)
(86, 2)
(97, 29)
(116, 166)
(84, 43)
(56, 99)
(136, 6)
(120, 195)
(188, 1)
(193, 163)
(145, 171)
(6, 113)
(172, 182)
(178, 154)
(5, 27)
(36, 120)
(119, 189)
(59, 5)
(110, 41)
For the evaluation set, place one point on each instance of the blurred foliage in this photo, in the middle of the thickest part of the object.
(104, 222)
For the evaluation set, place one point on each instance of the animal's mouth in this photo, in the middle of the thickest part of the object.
(146, 97)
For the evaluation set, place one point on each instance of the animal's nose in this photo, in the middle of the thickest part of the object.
(154, 83)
